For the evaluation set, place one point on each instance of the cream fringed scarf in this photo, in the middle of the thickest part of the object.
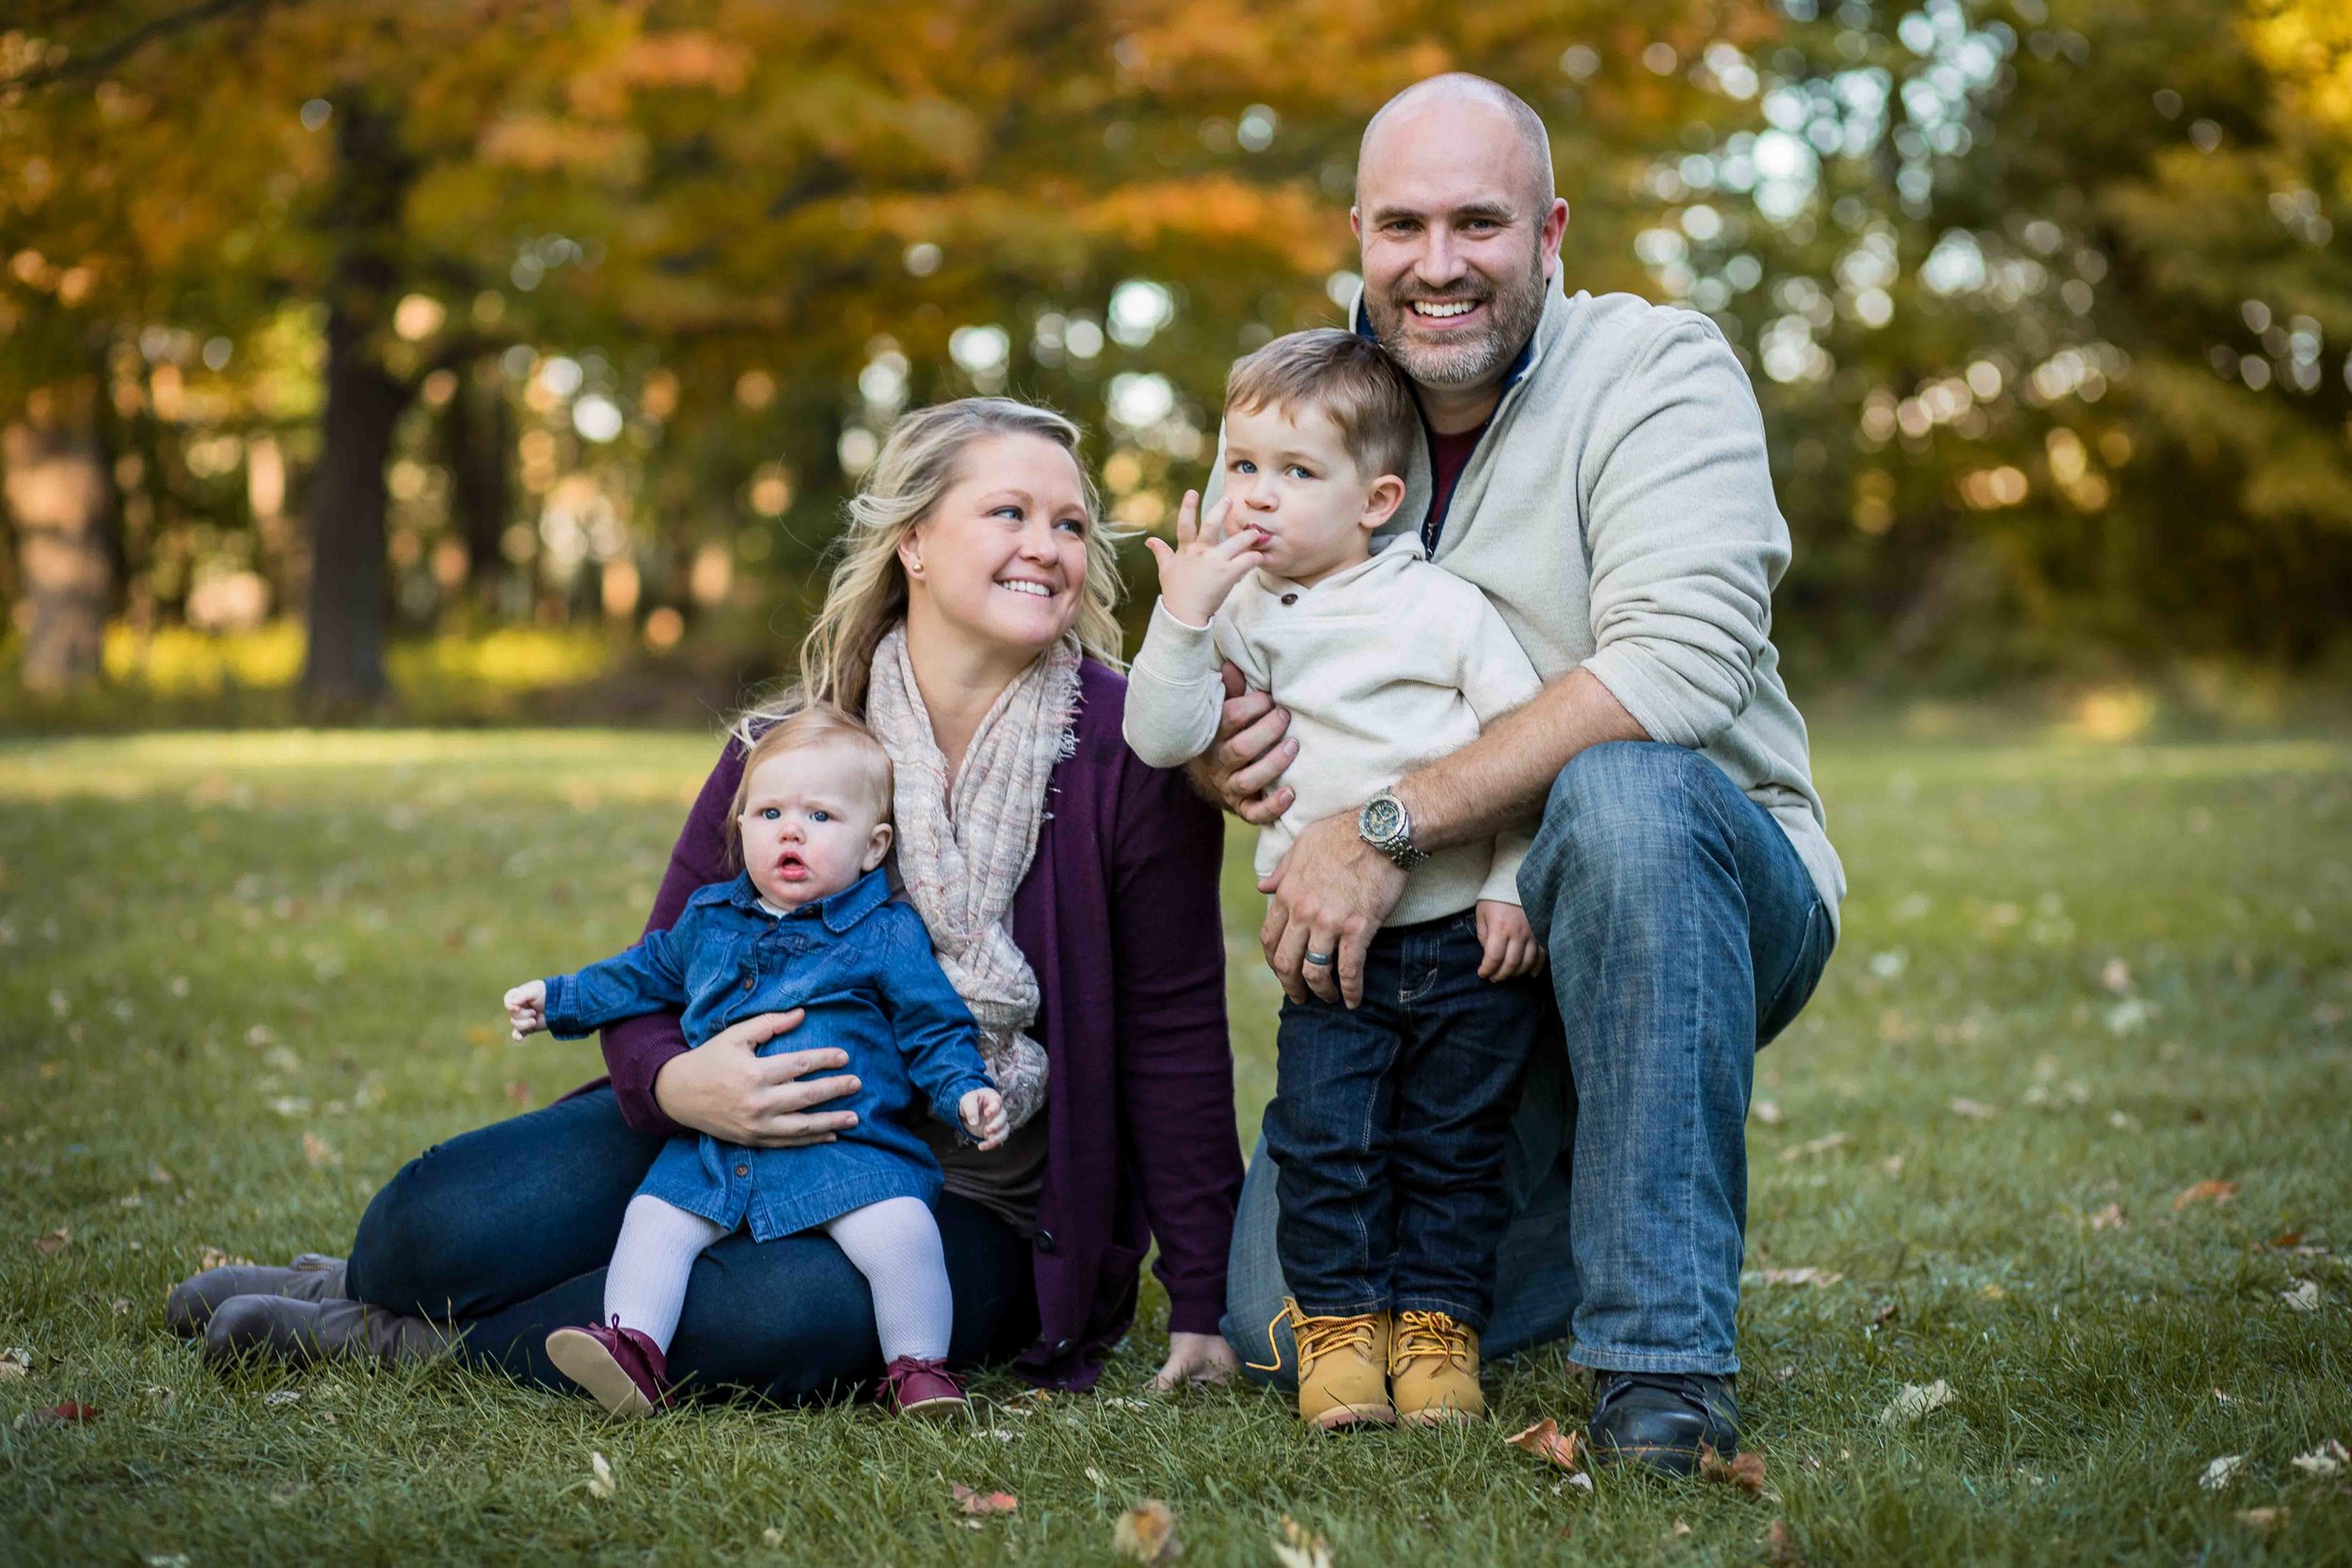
(961, 856)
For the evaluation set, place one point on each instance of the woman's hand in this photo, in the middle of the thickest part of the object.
(1196, 1358)
(728, 1089)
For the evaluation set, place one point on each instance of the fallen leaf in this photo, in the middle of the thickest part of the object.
(1146, 1532)
(319, 1152)
(600, 1483)
(1682, 1527)
(56, 1240)
(208, 1259)
(985, 1505)
(159, 1176)
(1744, 1470)
(1778, 1549)
(2262, 1521)
(281, 1396)
(122, 1306)
(2109, 1218)
(16, 1362)
(1301, 1547)
(1824, 1277)
(1892, 1164)
(1579, 1481)
(1545, 1441)
(2327, 1459)
(1767, 1111)
(1916, 1399)
(1096, 1476)
(2208, 1191)
(167, 1560)
(1822, 1145)
(1974, 1110)
(69, 1414)
(519, 1092)
(2304, 1297)
(771, 1536)
(2220, 1472)
(1992, 1291)
(1886, 1313)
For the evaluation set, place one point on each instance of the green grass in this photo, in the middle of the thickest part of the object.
(243, 977)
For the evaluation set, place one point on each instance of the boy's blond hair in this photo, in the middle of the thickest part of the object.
(819, 725)
(1349, 379)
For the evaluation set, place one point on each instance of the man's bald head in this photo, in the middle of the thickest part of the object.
(1458, 92)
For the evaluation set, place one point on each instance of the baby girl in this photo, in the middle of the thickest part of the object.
(808, 924)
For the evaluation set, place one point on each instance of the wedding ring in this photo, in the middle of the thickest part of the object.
(1320, 959)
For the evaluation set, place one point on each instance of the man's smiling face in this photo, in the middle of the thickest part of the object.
(1459, 234)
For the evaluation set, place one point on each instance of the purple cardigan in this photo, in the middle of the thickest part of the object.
(1118, 917)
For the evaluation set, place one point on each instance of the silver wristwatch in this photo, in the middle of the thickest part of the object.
(1388, 827)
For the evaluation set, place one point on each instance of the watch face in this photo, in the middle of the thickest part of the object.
(1383, 820)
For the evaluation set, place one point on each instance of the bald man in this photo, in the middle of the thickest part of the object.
(1596, 466)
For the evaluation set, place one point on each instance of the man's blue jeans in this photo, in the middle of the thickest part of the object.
(1684, 933)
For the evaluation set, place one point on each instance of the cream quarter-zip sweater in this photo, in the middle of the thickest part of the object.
(1384, 666)
(1618, 511)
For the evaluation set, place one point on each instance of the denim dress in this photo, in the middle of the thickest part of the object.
(862, 967)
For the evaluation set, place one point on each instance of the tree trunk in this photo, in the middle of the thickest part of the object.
(349, 576)
(478, 435)
(60, 493)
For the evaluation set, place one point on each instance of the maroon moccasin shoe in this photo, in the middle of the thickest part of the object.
(622, 1368)
(915, 1386)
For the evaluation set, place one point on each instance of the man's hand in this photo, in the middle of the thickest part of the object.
(1507, 942)
(983, 1113)
(728, 1089)
(1329, 894)
(527, 1007)
(1243, 769)
(1206, 561)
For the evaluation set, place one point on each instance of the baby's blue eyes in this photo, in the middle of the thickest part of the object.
(821, 816)
(771, 814)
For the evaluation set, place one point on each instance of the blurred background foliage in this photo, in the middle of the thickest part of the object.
(474, 355)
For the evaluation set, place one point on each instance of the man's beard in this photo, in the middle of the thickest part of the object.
(1512, 311)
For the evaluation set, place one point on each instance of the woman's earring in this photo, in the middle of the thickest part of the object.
(915, 568)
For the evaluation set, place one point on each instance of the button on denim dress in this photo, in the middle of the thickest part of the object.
(862, 967)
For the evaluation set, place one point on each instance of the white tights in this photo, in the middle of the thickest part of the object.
(894, 1243)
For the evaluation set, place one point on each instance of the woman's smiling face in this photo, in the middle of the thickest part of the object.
(1002, 558)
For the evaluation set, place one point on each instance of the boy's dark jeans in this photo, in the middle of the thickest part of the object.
(1387, 1125)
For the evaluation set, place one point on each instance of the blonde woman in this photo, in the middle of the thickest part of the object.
(1071, 894)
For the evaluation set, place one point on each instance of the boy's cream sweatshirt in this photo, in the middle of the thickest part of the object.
(1384, 666)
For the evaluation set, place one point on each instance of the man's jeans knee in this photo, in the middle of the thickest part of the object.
(1683, 932)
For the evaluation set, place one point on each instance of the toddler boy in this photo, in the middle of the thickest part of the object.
(1387, 1122)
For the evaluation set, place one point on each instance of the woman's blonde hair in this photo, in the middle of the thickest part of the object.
(922, 460)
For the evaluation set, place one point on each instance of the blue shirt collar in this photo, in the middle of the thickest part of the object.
(838, 911)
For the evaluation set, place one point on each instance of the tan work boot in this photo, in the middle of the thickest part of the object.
(1342, 1368)
(1433, 1369)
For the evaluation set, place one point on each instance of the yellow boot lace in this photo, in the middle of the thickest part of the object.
(1316, 1338)
(1429, 1336)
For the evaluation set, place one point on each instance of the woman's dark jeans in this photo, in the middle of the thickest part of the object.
(506, 1231)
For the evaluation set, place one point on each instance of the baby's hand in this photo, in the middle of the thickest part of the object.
(1509, 943)
(1201, 569)
(983, 1113)
(527, 1007)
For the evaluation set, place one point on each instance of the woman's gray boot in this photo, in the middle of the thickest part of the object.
(312, 1276)
(301, 1332)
